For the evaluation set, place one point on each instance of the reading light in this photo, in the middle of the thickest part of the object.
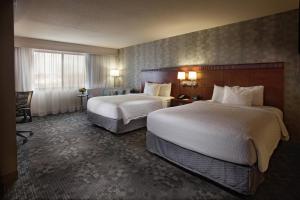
(192, 79)
(181, 75)
(192, 76)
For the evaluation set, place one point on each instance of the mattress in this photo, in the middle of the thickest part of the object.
(241, 135)
(126, 107)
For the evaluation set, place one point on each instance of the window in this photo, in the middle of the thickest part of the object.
(58, 70)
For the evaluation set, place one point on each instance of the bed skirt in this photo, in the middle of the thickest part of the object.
(240, 178)
(116, 126)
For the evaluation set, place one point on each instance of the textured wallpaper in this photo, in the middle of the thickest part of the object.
(268, 39)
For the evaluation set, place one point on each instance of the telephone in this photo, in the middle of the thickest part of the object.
(181, 96)
(195, 98)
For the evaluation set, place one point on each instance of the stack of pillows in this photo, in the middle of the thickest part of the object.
(244, 96)
(157, 89)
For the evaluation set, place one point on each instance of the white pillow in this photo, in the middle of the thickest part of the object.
(237, 96)
(165, 89)
(151, 89)
(218, 94)
(258, 94)
(147, 84)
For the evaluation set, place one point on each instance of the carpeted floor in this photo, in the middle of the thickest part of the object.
(69, 158)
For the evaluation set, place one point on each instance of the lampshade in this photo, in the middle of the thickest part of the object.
(192, 75)
(114, 72)
(181, 75)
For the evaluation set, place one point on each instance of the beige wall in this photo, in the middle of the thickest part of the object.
(8, 157)
(62, 46)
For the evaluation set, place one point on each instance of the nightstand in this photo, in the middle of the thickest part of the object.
(81, 100)
(179, 102)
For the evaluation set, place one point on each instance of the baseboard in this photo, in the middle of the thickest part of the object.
(7, 181)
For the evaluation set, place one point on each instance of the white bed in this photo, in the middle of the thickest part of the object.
(124, 109)
(229, 144)
(238, 134)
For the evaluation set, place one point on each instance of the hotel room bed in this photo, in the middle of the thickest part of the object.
(123, 113)
(229, 144)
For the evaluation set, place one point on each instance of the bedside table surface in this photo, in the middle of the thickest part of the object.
(183, 100)
(177, 102)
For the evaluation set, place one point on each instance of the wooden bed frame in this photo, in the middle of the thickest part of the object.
(270, 75)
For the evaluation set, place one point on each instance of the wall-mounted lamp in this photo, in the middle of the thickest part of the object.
(192, 79)
(192, 76)
(181, 75)
(114, 73)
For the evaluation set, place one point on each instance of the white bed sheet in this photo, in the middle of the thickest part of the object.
(242, 135)
(126, 107)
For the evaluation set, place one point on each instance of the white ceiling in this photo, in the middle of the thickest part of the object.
(121, 23)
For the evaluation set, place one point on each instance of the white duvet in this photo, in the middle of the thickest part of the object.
(242, 135)
(126, 107)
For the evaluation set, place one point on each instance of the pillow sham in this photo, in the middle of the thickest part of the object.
(165, 89)
(151, 89)
(218, 94)
(258, 94)
(237, 96)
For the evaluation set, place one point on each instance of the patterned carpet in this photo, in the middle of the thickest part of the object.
(69, 158)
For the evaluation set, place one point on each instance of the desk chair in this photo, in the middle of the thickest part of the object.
(23, 108)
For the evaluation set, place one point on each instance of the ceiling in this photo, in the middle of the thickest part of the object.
(122, 23)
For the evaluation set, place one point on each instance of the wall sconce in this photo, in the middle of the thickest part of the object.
(181, 75)
(192, 79)
(192, 76)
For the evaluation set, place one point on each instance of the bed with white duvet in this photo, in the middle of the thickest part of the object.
(127, 107)
(237, 134)
(124, 113)
(229, 143)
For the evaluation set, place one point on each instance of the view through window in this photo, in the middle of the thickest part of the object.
(58, 70)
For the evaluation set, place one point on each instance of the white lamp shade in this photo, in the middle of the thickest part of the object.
(192, 75)
(181, 75)
(114, 72)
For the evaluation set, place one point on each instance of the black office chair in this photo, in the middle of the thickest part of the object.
(23, 108)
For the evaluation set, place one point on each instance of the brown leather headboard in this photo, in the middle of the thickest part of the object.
(270, 75)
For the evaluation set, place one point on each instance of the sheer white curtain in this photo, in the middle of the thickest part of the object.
(57, 78)
(98, 70)
(23, 69)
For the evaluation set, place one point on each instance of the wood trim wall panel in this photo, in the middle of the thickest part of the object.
(270, 75)
(8, 147)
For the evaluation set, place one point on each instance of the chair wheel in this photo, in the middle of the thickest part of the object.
(25, 140)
